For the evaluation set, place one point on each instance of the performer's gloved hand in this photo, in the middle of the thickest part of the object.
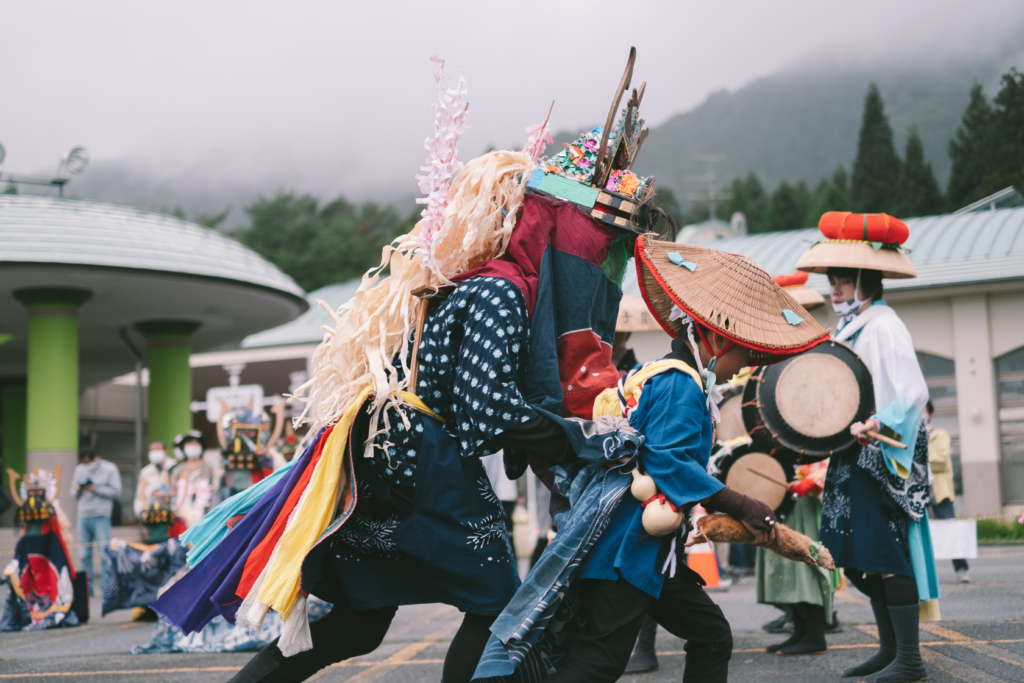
(755, 515)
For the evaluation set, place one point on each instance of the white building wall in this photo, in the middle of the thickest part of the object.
(976, 399)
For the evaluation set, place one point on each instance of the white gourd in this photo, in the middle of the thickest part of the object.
(659, 519)
(643, 486)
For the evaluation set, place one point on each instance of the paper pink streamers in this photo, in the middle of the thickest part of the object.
(538, 137)
(451, 120)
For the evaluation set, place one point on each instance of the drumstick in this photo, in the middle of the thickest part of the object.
(765, 476)
(884, 439)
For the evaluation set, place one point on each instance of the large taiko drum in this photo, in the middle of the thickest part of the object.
(754, 423)
(807, 403)
(745, 468)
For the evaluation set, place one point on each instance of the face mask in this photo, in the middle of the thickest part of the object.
(847, 310)
(193, 451)
(157, 456)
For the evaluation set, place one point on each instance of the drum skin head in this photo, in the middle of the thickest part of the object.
(754, 423)
(750, 471)
(731, 426)
(807, 403)
(759, 476)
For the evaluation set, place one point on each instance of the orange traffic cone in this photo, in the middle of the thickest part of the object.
(701, 557)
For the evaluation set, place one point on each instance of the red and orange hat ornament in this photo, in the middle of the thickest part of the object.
(872, 241)
(795, 284)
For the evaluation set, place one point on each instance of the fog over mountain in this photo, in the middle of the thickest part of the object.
(208, 106)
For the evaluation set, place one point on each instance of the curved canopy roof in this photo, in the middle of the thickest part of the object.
(139, 266)
(74, 232)
(308, 328)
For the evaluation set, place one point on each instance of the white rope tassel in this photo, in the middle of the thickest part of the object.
(714, 393)
(670, 561)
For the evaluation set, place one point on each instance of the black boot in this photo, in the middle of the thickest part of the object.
(799, 629)
(644, 658)
(886, 642)
(813, 642)
(783, 624)
(835, 626)
(908, 665)
(260, 667)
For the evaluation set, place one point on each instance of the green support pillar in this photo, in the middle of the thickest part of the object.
(170, 377)
(51, 432)
(12, 430)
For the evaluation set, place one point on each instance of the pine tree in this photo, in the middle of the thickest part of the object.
(787, 208)
(876, 168)
(988, 150)
(917, 192)
(1008, 133)
(828, 196)
(841, 180)
(748, 197)
(970, 153)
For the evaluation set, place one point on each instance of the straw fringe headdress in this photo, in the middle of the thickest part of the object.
(729, 294)
(375, 327)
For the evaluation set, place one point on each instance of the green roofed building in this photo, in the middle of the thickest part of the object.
(87, 289)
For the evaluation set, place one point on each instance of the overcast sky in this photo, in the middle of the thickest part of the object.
(343, 90)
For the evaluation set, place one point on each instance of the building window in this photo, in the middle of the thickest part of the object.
(1010, 376)
(940, 376)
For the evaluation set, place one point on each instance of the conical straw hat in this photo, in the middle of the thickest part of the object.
(729, 294)
(840, 252)
(805, 296)
(794, 284)
(635, 317)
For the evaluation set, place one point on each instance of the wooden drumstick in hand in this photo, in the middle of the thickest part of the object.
(884, 439)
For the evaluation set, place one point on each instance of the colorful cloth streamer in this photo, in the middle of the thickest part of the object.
(190, 604)
(311, 518)
(208, 532)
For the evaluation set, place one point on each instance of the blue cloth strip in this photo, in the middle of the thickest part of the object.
(188, 604)
(208, 532)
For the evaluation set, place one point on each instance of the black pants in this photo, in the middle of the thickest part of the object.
(615, 613)
(944, 510)
(345, 633)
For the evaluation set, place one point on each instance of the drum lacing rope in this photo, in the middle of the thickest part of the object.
(707, 374)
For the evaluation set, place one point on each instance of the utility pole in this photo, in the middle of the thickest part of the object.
(712, 194)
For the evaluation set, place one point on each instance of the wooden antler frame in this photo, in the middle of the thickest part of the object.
(623, 87)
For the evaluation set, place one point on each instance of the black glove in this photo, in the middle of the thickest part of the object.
(755, 513)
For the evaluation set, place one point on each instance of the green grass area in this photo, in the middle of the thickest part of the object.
(996, 530)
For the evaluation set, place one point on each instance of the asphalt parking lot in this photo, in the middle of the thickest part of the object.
(980, 640)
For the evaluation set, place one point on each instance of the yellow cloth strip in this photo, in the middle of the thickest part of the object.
(607, 402)
(312, 516)
(419, 406)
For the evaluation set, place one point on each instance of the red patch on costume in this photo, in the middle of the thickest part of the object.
(39, 583)
(585, 370)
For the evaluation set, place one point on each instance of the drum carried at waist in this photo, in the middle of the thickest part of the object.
(742, 466)
(803, 407)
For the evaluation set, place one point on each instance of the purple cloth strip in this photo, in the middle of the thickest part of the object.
(190, 604)
(225, 599)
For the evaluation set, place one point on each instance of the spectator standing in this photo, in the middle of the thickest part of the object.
(943, 494)
(153, 476)
(96, 485)
(191, 479)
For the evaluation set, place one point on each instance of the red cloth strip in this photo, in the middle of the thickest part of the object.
(259, 557)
